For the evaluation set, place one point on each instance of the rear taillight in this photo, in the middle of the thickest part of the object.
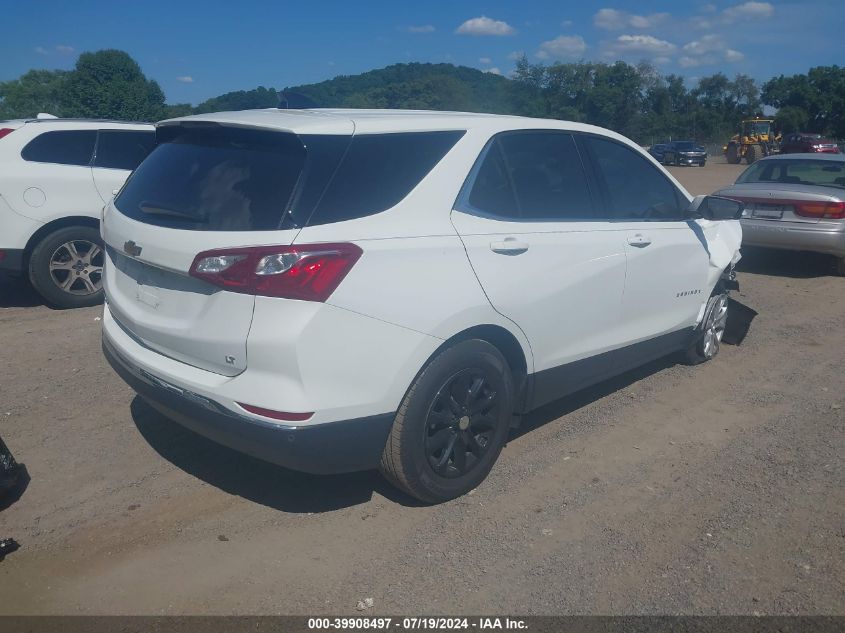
(5, 131)
(310, 272)
(826, 210)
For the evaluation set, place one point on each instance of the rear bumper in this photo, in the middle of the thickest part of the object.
(11, 259)
(332, 447)
(823, 237)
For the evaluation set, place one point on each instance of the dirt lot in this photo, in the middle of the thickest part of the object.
(715, 489)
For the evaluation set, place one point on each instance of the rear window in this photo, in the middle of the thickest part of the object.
(823, 173)
(63, 147)
(214, 179)
(123, 149)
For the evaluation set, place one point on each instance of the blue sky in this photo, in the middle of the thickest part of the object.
(199, 50)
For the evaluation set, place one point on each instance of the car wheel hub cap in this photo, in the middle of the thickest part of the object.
(461, 423)
(76, 267)
(715, 326)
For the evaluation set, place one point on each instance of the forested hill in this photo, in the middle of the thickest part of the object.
(635, 100)
(414, 86)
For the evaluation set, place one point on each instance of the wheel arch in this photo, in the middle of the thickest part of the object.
(509, 346)
(54, 225)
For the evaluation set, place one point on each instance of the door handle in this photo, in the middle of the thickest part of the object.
(509, 246)
(639, 240)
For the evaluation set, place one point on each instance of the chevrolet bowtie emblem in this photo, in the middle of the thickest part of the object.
(131, 248)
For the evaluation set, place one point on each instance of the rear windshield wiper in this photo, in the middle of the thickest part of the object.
(153, 208)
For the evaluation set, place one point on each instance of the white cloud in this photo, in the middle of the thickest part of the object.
(749, 10)
(62, 49)
(485, 26)
(566, 23)
(484, 60)
(562, 47)
(647, 44)
(185, 79)
(736, 14)
(422, 28)
(41, 50)
(704, 44)
(708, 50)
(516, 55)
(493, 71)
(615, 20)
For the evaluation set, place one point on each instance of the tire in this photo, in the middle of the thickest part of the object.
(706, 345)
(733, 155)
(438, 449)
(753, 153)
(66, 267)
(677, 161)
(702, 163)
(840, 266)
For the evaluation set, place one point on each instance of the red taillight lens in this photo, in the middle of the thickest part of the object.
(311, 272)
(5, 131)
(276, 415)
(827, 210)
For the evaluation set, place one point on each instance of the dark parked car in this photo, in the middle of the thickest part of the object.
(803, 142)
(657, 151)
(684, 153)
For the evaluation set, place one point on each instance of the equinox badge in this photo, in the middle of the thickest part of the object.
(131, 248)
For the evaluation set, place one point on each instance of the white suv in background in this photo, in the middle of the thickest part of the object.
(340, 290)
(55, 177)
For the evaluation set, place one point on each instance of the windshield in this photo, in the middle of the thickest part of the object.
(822, 173)
(685, 145)
(758, 127)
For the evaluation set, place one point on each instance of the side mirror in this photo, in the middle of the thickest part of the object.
(715, 208)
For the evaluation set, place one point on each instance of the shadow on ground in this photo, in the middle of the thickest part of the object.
(291, 491)
(254, 479)
(17, 293)
(777, 263)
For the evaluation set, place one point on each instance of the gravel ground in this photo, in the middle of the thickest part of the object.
(672, 489)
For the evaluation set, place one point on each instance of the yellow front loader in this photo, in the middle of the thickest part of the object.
(756, 139)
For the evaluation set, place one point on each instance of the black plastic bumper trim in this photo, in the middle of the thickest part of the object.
(332, 447)
(12, 260)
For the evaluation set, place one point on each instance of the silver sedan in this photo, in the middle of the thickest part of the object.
(794, 202)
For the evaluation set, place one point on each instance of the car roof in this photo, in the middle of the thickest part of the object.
(359, 121)
(830, 157)
(58, 121)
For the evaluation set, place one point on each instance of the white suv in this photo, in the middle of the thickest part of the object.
(340, 290)
(55, 177)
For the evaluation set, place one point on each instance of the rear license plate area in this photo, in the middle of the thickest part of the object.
(767, 211)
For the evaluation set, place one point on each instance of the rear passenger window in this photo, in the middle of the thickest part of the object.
(378, 171)
(123, 149)
(532, 176)
(635, 189)
(63, 147)
(547, 176)
(492, 192)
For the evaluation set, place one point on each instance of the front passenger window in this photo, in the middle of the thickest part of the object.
(635, 189)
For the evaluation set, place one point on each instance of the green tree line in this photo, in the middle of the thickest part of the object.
(635, 100)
